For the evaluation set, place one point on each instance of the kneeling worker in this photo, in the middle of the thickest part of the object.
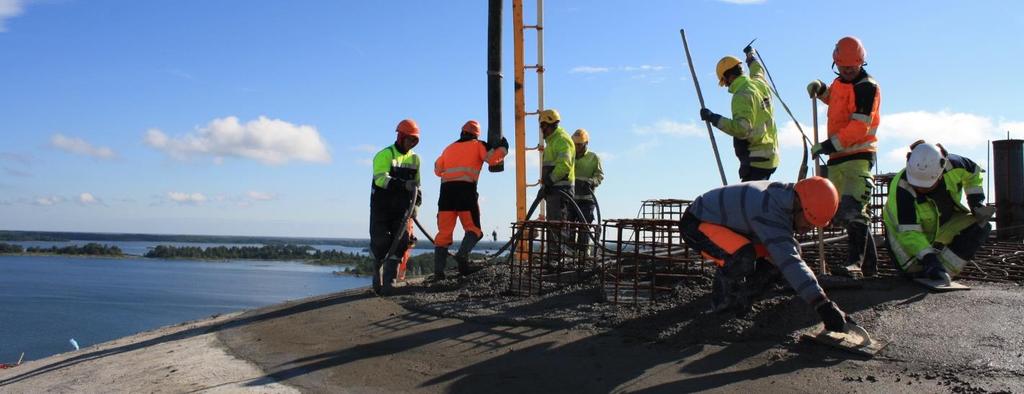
(459, 169)
(743, 226)
(930, 233)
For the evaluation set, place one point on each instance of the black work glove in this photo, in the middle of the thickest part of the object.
(833, 317)
(933, 268)
(708, 116)
(749, 50)
(419, 197)
(823, 148)
(395, 184)
(503, 143)
(975, 201)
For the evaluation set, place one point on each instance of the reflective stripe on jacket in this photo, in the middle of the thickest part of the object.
(853, 116)
(390, 163)
(461, 161)
(559, 158)
(912, 222)
(762, 211)
(589, 175)
(753, 118)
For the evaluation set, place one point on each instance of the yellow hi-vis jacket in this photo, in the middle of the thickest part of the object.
(753, 119)
(589, 175)
(913, 222)
(559, 158)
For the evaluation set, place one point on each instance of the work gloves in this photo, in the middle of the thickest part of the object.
(981, 212)
(816, 88)
(933, 268)
(708, 116)
(501, 144)
(833, 317)
(823, 148)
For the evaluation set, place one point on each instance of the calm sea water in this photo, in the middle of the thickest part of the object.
(47, 300)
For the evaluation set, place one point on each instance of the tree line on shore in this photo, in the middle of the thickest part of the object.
(89, 249)
(356, 264)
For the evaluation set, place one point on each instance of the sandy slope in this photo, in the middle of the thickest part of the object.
(182, 358)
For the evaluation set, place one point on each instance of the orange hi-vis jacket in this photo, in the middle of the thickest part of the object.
(461, 161)
(853, 115)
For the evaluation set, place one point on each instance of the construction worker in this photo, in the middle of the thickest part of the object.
(930, 232)
(853, 118)
(459, 169)
(558, 174)
(747, 230)
(393, 200)
(588, 177)
(752, 127)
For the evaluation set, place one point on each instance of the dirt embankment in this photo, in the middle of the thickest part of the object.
(467, 336)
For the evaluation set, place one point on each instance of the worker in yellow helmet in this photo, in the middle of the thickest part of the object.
(589, 175)
(755, 138)
(558, 174)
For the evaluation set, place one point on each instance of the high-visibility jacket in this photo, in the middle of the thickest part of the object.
(461, 161)
(762, 212)
(459, 169)
(589, 175)
(391, 168)
(853, 116)
(559, 158)
(753, 120)
(913, 221)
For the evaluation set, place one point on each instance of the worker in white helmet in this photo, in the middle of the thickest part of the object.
(930, 233)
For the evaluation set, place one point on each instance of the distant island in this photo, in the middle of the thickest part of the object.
(89, 249)
(58, 236)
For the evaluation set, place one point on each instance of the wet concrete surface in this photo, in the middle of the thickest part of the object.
(467, 335)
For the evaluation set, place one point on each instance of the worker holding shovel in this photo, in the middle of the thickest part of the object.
(394, 197)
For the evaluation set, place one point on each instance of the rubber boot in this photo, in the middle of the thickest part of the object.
(462, 256)
(855, 245)
(377, 270)
(389, 271)
(723, 295)
(870, 266)
(440, 262)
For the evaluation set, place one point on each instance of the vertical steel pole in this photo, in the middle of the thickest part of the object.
(520, 109)
(817, 171)
(700, 96)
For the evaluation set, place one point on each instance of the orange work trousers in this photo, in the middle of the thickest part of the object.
(446, 225)
(728, 241)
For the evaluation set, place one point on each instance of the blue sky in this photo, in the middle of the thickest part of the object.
(260, 117)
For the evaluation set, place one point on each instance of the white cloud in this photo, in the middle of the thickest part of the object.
(743, 2)
(944, 127)
(644, 67)
(365, 162)
(48, 200)
(269, 141)
(87, 198)
(671, 127)
(9, 9)
(80, 147)
(605, 156)
(186, 198)
(588, 70)
(260, 196)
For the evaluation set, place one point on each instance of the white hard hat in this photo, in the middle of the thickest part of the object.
(925, 165)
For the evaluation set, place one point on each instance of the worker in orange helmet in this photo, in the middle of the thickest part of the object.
(853, 100)
(747, 230)
(394, 191)
(459, 170)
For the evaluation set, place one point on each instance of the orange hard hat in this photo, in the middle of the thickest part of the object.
(408, 127)
(849, 52)
(819, 200)
(472, 127)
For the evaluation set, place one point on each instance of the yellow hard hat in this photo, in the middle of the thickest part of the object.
(724, 65)
(581, 136)
(550, 116)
